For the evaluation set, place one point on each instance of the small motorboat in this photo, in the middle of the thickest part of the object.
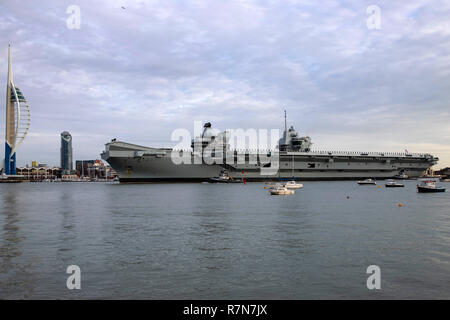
(393, 184)
(293, 185)
(367, 182)
(445, 180)
(281, 190)
(429, 186)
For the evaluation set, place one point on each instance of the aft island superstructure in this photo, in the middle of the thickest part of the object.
(292, 159)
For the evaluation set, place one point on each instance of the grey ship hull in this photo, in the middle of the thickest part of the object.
(136, 164)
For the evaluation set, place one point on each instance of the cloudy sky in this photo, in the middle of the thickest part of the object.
(138, 73)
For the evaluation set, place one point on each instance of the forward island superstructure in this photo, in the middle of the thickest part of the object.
(293, 159)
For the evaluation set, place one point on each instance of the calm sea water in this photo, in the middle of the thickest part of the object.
(218, 241)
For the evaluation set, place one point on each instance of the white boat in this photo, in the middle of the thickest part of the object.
(393, 184)
(367, 182)
(429, 186)
(281, 190)
(293, 185)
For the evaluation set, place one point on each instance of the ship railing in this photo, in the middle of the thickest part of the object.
(364, 153)
(328, 153)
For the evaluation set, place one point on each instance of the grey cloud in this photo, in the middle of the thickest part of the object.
(137, 74)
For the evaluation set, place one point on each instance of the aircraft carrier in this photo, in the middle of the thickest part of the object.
(293, 159)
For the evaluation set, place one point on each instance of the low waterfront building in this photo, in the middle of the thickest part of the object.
(445, 172)
(39, 173)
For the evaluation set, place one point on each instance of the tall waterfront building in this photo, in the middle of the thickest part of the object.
(18, 120)
(82, 167)
(66, 152)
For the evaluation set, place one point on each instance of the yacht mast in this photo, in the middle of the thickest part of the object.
(285, 128)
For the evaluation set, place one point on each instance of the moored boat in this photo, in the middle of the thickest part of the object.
(293, 185)
(281, 190)
(367, 182)
(393, 184)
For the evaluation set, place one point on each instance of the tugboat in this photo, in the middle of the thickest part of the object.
(367, 182)
(429, 186)
(224, 178)
(393, 184)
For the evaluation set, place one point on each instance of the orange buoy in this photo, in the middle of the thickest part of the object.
(379, 187)
(400, 204)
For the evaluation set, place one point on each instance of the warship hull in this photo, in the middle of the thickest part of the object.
(139, 164)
